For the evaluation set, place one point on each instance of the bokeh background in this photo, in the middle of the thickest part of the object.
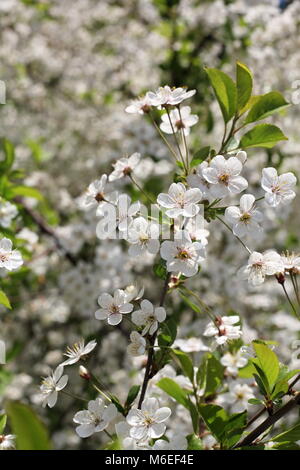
(70, 68)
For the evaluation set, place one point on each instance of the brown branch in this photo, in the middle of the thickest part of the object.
(248, 440)
(149, 366)
(261, 412)
(47, 230)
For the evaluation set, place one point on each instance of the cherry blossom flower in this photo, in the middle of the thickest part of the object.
(119, 217)
(143, 237)
(128, 442)
(234, 362)
(148, 422)
(244, 219)
(194, 226)
(197, 180)
(78, 351)
(261, 265)
(237, 397)
(53, 384)
(9, 259)
(125, 166)
(180, 201)
(95, 419)
(7, 442)
(178, 442)
(113, 308)
(141, 105)
(134, 292)
(96, 194)
(182, 255)
(169, 96)
(137, 347)
(8, 212)
(291, 262)
(190, 345)
(223, 330)
(180, 120)
(223, 175)
(279, 189)
(149, 317)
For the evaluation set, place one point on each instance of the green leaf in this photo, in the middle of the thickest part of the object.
(255, 401)
(132, 394)
(168, 333)
(174, 391)
(194, 442)
(4, 300)
(268, 362)
(160, 270)
(215, 418)
(225, 91)
(9, 153)
(186, 363)
(244, 83)
(190, 303)
(292, 434)
(200, 156)
(262, 135)
(285, 446)
(31, 434)
(3, 419)
(115, 444)
(234, 428)
(117, 404)
(25, 191)
(214, 375)
(266, 105)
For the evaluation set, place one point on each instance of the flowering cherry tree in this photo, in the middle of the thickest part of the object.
(233, 376)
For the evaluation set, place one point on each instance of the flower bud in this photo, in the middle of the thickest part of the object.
(84, 373)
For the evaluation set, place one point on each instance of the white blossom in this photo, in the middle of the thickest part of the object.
(148, 422)
(223, 329)
(137, 347)
(95, 419)
(113, 308)
(125, 166)
(143, 237)
(96, 194)
(177, 442)
(223, 175)
(8, 212)
(149, 317)
(7, 442)
(197, 180)
(9, 259)
(237, 397)
(291, 262)
(279, 189)
(182, 120)
(261, 265)
(169, 96)
(141, 105)
(244, 219)
(234, 362)
(53, 384)
(180, 201)
(78, 351)
(182, 255)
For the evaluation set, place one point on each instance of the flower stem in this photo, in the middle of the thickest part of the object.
(229, 228)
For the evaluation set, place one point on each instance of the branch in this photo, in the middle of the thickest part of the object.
(45, 228)
(248, 440)
(149, 366)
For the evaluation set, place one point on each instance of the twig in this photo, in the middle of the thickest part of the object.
(149, 365)
(248, 440)
(46, 229)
